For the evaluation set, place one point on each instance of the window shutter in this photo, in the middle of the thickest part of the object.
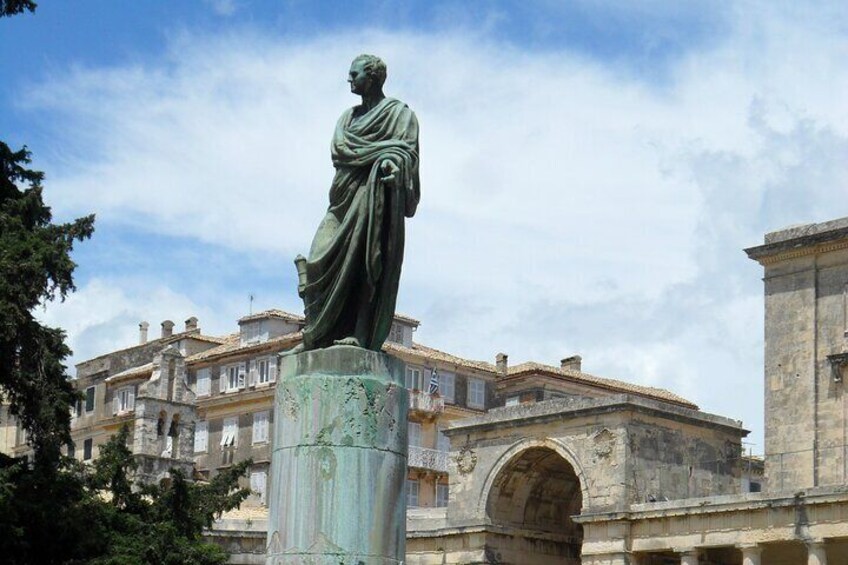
(260, 427)
(242, 373)
(116, 402)
(201, 436)
(223, 382)
(131, 401)
(251, 376)
(272, 368)
(202, 388)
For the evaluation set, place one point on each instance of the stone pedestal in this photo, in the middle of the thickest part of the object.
(338, 469)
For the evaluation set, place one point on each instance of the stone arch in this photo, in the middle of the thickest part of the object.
(537, 486)
(523, 445)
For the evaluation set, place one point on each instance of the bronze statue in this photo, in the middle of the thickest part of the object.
(349, 283)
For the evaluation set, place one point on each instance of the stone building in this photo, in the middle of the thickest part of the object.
(531, 463)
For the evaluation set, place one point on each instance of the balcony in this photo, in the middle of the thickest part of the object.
(431, 459)
(426, 403)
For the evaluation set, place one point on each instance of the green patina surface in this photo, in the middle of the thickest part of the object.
(339, 459)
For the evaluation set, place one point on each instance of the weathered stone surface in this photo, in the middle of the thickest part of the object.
(339, 459)
(806, 323)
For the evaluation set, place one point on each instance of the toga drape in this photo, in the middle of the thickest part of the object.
(354, 265)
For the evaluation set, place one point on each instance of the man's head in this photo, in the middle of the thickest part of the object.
(366, 72)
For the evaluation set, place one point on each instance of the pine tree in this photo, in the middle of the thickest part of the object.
(37, 497)
(35, 268)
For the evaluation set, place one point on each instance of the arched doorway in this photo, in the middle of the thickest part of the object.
(531, 503)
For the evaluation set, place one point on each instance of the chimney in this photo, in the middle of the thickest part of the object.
(573, 363)
(501, 363)
(142, 333)
(167, 328)
(191, 324)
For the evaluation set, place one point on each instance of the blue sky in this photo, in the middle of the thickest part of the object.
(591, 170)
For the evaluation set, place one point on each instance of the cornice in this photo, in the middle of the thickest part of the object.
(817, 244)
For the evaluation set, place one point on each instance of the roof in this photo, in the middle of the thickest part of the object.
(580, 377)
(273, 313)
(191, 334)
(407, 319)
(419, 350)
(140, 371)
(234, 346)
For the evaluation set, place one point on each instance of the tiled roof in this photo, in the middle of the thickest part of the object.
(592, 380)
(233, 345)
(139, 371)
(273, 313)
(208, 338)
(418, 350)
(193, 334)
(407, 319)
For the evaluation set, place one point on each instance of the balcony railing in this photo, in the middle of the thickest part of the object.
(425, 458)
(423, 402)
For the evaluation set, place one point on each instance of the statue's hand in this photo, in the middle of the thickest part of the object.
(389, 171)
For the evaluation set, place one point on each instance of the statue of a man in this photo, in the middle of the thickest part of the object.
(349, 283)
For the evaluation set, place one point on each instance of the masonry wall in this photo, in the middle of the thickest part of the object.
(805, 406)
(830, 417)
(669, 460)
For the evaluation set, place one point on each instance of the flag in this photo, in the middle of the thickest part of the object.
(434, 381)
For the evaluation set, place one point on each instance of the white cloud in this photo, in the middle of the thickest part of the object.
(560, 198)
(103, 314)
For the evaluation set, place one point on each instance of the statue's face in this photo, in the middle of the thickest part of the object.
(358, 78)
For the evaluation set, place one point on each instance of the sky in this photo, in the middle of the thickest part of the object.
(591, 170)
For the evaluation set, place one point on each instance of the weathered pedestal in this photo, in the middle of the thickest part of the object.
(338, 468)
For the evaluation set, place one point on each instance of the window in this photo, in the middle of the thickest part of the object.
(442, 442)
(229, 434)
(512, 401)
(124, 400)
(476, 393)
(263, 371)
(258, 481)
(260, 427)
(755, 487)
(447, 386)
(72, 450)
(201, 436)
(87, 446)
(233, 377)
(77, 408)
(412, 493)
(89, 399)
(414, 433)
(413, 378)
(442, 491)
(203, 387)
(396, 333)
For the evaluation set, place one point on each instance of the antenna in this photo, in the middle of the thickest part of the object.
(251, 298)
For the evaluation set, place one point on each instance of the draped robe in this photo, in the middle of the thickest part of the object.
(354, 264)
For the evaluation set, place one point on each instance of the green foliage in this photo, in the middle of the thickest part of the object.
(12, 7)
(158, 523)
(40, 500)
(35, 267)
